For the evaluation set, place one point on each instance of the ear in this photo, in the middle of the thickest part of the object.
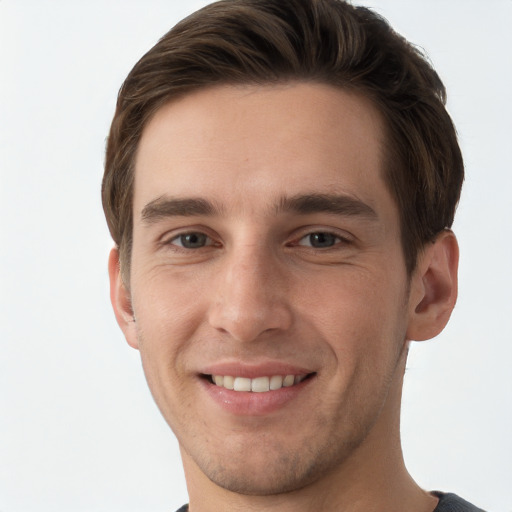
(433, 287)
(121, 300)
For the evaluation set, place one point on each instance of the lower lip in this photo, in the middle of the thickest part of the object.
(248, 403)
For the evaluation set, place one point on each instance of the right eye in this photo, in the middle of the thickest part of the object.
(192, 240)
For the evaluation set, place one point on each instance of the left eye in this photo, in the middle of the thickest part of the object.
(192, 240)
(320, 240)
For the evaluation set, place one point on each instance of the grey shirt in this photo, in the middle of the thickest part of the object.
(447, 503)
(452, 503)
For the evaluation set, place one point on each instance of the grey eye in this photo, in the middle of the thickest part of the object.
(191, 240)
(319, 240)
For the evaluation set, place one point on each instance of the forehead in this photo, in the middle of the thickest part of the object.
(246, 146)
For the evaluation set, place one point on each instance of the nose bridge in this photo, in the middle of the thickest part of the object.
(250, 298)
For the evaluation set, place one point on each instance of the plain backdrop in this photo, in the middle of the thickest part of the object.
(78, 428)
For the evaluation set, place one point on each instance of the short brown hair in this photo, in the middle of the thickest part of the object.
(274, 41)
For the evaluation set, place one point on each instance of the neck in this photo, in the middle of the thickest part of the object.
(373, 478)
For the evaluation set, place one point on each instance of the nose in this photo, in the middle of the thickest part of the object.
(250, 298)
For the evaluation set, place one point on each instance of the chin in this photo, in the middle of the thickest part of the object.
(267, 468)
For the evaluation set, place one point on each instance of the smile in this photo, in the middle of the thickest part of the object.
(258, 384)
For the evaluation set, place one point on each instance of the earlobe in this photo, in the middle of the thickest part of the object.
(433, 287)
(121, 300)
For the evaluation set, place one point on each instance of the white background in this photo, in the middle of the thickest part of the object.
(78, 428)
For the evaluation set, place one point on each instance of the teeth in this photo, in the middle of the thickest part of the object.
(228, 382)
(259, 384)
(242, 384)
(288, 381)
(276, 382)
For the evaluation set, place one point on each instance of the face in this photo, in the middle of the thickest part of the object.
(268, 284)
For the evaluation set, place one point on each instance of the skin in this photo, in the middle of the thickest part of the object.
(259, 289)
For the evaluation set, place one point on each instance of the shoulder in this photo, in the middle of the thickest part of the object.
(449, 502)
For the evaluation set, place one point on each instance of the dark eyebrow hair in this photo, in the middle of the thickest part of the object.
(328, 203)
(165, 206)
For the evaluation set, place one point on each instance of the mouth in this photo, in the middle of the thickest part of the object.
(261, 384)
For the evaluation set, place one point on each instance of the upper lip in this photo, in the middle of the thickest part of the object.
(253, 370)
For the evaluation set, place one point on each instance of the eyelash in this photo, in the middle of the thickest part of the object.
(322, 236)
(181, 236)
(336, 238)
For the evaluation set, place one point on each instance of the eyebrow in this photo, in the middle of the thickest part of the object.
(337, 204)
(164, 207)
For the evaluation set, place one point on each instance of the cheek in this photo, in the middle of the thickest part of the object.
(358, 312)
(169, 310)
(166, 294)
(167, 316)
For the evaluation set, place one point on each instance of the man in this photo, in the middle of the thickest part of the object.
(280, 182)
